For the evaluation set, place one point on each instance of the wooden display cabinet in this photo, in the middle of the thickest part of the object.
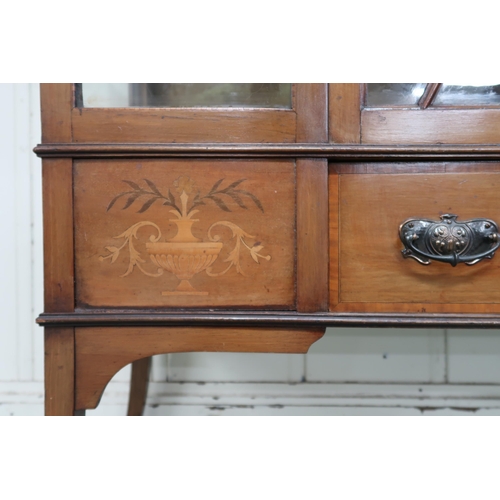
(251, 230)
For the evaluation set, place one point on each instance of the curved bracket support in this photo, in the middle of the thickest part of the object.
(102, 352)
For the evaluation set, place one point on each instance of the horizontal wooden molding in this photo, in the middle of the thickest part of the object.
(334, 152)
(281, 319)
(182, 125)
(431, 126)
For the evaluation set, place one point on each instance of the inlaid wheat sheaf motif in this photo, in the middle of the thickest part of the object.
(184, 255)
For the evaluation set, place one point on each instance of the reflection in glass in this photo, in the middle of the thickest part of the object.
(166, 95)
(384, 95)
(468, 95)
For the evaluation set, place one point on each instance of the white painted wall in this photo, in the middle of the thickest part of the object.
(348, 372)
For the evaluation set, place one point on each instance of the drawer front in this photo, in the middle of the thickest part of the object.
(184, 233)
(373, 201)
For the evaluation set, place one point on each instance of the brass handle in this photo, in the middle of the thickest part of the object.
(449, 241)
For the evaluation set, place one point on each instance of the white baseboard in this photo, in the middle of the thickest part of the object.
(174, 398)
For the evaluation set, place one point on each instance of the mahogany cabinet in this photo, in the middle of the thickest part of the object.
(251, 228)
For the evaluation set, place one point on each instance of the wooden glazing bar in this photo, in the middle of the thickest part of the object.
(345, 112)
(312, 115)
(429, 95)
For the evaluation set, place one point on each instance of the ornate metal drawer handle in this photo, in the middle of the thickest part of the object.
(448, 240)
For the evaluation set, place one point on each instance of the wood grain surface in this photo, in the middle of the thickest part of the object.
(101, 352)
(312, 230)
(430, 126)
(345, 112)
(183, 125)
(333, 240)
(56, 105)
(259, 239)
(372, 269)
(312, 112)
(59, 371)
(139, 382)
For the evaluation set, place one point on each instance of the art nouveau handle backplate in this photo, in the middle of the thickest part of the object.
(448, 240)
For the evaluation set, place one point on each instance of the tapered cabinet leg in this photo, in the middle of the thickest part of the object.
(139, 386)
(59, 372)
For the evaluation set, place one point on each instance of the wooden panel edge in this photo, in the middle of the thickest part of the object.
(312, 235)
(334, 237)
(415, 308)
(57, 178)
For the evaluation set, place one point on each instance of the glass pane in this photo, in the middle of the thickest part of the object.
(174, 95)
(468, 95)
(387, 95)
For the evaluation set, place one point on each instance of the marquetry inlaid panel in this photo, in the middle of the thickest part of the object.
(181, 233)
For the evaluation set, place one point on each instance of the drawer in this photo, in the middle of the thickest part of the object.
(369, 202)
(184, 233)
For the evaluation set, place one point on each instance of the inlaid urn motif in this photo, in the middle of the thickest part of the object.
(185, 255)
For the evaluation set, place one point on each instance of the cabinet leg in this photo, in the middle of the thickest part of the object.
(139, 386)
(59, 371)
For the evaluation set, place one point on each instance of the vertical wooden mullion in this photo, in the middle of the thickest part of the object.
(345, 113)
(59, 371)
(334, 237)
(312, 235)
(311, 106)
(312, 200)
